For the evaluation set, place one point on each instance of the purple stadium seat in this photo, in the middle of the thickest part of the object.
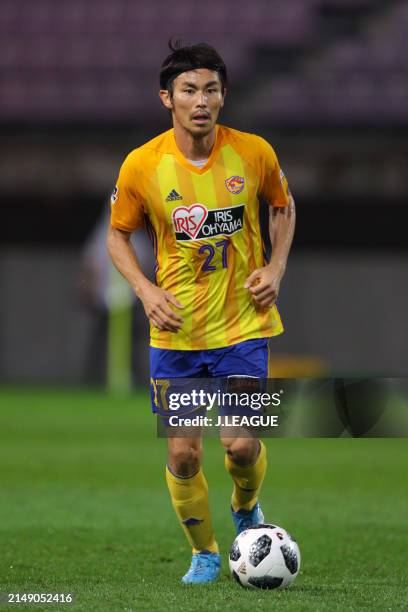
(98, 58)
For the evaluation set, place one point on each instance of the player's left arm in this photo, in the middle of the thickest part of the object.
(263, 283)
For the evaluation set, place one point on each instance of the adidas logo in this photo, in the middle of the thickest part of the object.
(242, 568)
(173, 196)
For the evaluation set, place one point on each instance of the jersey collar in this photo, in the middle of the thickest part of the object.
(184, 161)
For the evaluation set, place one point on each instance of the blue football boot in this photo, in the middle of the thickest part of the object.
(205, 567)
(244, 519)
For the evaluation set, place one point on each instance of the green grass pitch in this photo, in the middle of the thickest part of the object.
(84, 509)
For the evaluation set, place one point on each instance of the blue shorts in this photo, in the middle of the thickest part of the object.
(249, 358)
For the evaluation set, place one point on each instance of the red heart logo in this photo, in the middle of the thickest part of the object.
(189, 220)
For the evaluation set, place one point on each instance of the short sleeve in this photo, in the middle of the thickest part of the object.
(127, 206)
(273, 186)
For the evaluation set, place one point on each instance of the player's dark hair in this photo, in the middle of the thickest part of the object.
(183, 58)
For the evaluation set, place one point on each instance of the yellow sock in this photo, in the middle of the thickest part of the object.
(247, 480)
(190, 502)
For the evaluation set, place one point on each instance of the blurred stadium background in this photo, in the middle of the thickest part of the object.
(326, 81)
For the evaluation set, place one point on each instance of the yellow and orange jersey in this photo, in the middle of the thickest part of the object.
(204, 224)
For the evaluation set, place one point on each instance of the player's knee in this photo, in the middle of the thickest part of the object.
(185, 461)
(242, 451)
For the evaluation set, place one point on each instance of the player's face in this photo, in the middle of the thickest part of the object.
(196, 101)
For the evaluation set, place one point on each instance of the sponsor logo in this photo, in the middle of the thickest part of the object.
(173, 196)
(197, 222)
(114, 195)
(281, 175)
(242, 568)
(235, 184)
(189, 220)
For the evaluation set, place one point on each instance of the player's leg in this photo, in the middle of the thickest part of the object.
(245, 457)
(245, 460)
(189, 494)
(185, 479)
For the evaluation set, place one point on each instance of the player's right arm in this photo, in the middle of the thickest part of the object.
(156, 302)
(127, 215)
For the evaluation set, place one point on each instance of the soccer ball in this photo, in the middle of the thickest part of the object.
(264, 557)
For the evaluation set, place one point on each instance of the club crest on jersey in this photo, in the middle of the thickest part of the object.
(114, 195)
(235, 184)
(197, 222)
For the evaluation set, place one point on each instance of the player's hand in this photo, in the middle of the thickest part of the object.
(156, 303)
(264, 284)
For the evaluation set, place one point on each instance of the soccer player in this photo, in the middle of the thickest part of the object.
(196, 188)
